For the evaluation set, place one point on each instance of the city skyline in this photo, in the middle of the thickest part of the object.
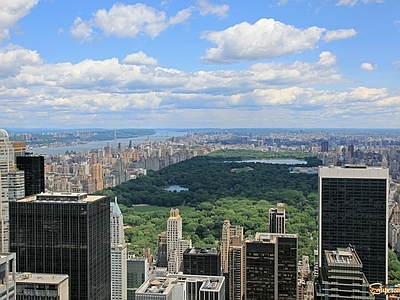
(177, 64)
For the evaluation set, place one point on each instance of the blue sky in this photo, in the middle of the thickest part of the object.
(200, 63)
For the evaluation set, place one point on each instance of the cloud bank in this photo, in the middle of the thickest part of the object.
(266, 38)
(137, 90)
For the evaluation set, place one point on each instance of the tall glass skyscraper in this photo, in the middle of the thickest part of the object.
(33, 167)
(353, 204)
(64, 233)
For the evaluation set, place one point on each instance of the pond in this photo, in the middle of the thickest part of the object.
(176, 188)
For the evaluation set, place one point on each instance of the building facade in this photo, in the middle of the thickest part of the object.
(277, 219)
(236, 269)
(228, 232)
(353, 204)
(342, 276)
(271, 266)
(6, 166)
(42, 286)
(175, 244)
(33, 167)
(162, 258)
(137, 274)
(8, 273)
(182, 287)
(16, 185)
(118, 254)
(202, 261)
(62, 233)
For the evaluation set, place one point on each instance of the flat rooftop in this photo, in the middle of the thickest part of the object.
(38, 278)
(61, 197)
(204, 251)
(266, 237)
(164, 285)
(342, 256)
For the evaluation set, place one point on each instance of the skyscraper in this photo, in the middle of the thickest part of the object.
(236, 269)
(16, 185)
(228, 232)
(175, 244)
(162, 258)
(6, 166)
(63, 233)
(118, 254)
(271, 266)
(202, 261)
(137, 274)
(353, 211)
(33, 167)
(324, 146)
(97, 175)
(277, 219)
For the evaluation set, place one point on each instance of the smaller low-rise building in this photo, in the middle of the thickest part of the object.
(181, 286)
(42, 286)
(342, 277)
(7, 276)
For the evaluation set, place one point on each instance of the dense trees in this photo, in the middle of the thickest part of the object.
(211, 178)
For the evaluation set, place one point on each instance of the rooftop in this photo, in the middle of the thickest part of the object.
(210, 251)
(61, 197)
(164, 285)
(265, 237)
(342, 256)
(52, 279)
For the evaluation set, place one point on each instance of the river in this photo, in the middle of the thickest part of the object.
(158, 136)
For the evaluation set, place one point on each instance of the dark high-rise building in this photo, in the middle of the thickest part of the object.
(271, 267)
(324, 146)
(63, 233)
(350, 149)
(202, 261)
(33, 166)
(277, 219)
(353, 211)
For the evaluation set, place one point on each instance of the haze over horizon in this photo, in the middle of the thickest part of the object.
(200, 64)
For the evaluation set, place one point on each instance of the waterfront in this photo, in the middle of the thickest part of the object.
(159, 136)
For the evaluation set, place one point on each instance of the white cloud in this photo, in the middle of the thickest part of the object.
(81, 31)
(397, 64)
(351, 3)
(367, 94)
(326, 59)
(266, 38)
(333, 35)
(140, 58)
(13, 58)
(127, 21)
(11, 11)
(207, 8)
(368, 67)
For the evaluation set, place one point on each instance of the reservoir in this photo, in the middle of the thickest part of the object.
(283, 161)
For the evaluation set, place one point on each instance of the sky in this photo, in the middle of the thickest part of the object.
(200, 64)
